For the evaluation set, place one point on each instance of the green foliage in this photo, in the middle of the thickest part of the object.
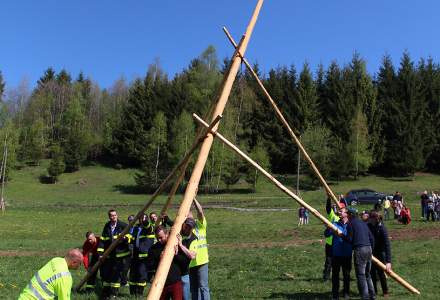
(33, 142)
(75, 135)
(57, 165)
(359, 145)
(260, 156)
(2, 87)
(318, 142)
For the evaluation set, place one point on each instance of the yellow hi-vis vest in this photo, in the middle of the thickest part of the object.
(332, 217)
(52, 280)
(199, 245)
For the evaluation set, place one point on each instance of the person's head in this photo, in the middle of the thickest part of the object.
(143, 219)
(113, 215)
(153, 217)
(91, 238)
(365, 215)
(425, 192)
(375, 217)
(73, 259)
(188, 226)
(161, 234)
(343, 213)
(352, 212)
(130, 218)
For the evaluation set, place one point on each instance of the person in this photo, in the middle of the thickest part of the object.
(127, 259)
(437, 208)
(381, 250)
(53, 279)
(342, 201)
(405, 216)
(301, 213)
(187, 239)
(306, 216)
(141, 242)
(362, 241)
(365, 215)
(173, 284)
(386, 208)
(113, 266)
(332, 217)
(423, 202)
(90, 257)
(198, 267)
(398, 211)
(164, 220)
(341, 255)
(430, 209)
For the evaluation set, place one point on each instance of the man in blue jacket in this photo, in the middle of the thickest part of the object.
(362, 241)
(341, 255)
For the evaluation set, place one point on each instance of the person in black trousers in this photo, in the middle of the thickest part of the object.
(381, 250)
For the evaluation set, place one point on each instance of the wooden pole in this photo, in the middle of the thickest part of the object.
(159, 190)
(393, 275)
(284, 121)
(191, 190)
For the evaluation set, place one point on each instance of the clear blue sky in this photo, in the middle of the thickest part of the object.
(107, 39)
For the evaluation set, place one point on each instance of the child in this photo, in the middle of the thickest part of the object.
(301, 215)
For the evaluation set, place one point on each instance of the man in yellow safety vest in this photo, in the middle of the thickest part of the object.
(54, 279)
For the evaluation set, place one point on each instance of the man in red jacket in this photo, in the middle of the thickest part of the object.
(90, 247)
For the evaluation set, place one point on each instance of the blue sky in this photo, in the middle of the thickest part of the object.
(109, 39)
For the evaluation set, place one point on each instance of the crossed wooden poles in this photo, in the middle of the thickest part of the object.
(205, 139)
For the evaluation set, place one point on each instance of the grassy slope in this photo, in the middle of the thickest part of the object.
(250, 252)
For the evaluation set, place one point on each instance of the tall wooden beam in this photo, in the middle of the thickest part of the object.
(283, 120)
(316, 213)
(191, 190)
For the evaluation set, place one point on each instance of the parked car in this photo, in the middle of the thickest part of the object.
(364, 196)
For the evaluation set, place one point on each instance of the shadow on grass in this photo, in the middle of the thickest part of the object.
(129, 189)
(301, 295)
(46, 179)
(400, 179)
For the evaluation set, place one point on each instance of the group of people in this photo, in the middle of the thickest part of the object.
(132, 261)
(135, 259)
(303, 216)
(396, 205)
(430, 205)
(360, 238)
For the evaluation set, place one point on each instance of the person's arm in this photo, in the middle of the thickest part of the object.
(200, 214)
(387, 248)
(101, 244)
(371, 238)
(85, 252)
(328, 206)
(186, 251)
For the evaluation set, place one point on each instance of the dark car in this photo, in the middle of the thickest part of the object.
(364, 196)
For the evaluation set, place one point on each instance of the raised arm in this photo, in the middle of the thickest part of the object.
(200, 214)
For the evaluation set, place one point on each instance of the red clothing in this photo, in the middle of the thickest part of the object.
(89, 248)
(173, 291)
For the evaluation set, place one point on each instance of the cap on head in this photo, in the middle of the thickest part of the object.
(190, 222)
(352, 211)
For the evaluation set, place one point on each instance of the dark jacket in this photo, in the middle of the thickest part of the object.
(359, 235)
(107, 239)
(341, 247)
(382, 247)
(177, 265)
(143, 239)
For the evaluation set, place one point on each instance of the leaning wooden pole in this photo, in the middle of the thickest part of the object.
(393, 275)
(159, 190)
(280, 116)
(191, 190)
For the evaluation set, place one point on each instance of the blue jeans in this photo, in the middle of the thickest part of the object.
(198, 277)
(362, 264)
(186, 287)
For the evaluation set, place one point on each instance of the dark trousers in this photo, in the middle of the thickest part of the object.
(125, 269)
(362, 263)
(138, 276)
(172, 291)
(111, 275)
(327, 262)
(338, 263)
(378, 273)
(430, 212)
(92, 279)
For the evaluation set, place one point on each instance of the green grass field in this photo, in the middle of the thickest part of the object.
(254, 254)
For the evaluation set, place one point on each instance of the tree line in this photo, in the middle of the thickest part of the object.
(351, 122)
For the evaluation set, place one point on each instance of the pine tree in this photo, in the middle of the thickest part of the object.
(57, 165)
(76, 138)
(2, 87)
(307, 100)
(260, 155)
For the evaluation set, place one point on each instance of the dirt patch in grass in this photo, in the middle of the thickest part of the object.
(408, 233)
